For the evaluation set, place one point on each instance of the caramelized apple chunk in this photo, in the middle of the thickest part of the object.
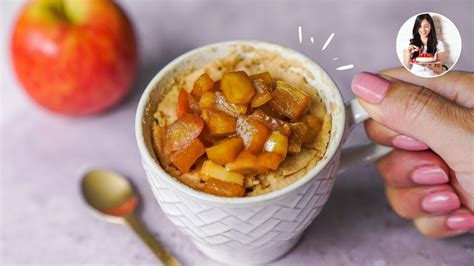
(265, 77)
(205, 137)
(270, 160)
(194, 104)
(202, 84)
(183, 159)
(289, 100)
(298, 135)
(224, 189)
(183, 131)
(263, 93)
(225, 151)
(186, 104)
(277, 143)
(270, 111)
(216, 86)
(272, 123)
(212, 170)
(253, 133)
(183, 103)
(314, 125)
(237, 87)
(232, 109)
(219, 123)
(207, 100)
(246, 163)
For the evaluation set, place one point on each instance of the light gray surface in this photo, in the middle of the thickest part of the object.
(43, 219)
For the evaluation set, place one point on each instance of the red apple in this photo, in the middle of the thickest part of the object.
(74, 57)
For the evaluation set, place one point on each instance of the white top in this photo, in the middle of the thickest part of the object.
(425, 71)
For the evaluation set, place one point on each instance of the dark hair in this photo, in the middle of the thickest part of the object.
(432, 40)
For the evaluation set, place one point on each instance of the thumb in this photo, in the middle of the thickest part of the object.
(415, 111)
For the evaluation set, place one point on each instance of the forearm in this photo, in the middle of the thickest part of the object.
(406, 59)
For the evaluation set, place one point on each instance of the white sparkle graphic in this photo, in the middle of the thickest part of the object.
(346, 67)
(327, 42)
(300, 34)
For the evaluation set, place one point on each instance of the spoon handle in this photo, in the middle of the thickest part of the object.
(156, 247)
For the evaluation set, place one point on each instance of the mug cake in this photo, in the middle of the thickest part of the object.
(241, 125)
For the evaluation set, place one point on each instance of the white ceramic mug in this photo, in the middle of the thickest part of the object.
(259, 229)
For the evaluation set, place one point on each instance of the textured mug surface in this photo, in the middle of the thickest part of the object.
(249, 230)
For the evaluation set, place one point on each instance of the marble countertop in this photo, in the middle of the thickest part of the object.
(43, 217)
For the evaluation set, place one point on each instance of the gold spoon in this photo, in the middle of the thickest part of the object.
(112, 197)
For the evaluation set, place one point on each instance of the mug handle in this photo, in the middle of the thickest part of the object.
(360, 154)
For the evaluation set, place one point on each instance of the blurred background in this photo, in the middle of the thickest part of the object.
(43, 217)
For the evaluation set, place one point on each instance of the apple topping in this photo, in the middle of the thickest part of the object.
(263, 94)
(237, 87)
(263, 85)
(183, 103)
(289, 100)
(212, 170)
(206, 138)
(265, 77)
(270, 111)
(246, 163)
(224, 189)
(207, 100)
(225, 151)
(270, 160)
(232, 109)
(183, 131)
(202, 84)
(298, 135)
(314, 125)
(215, 145)
(187, 104)
(184, 158)
(219, 123)
(253, 132)
(194, 104)
(277, 143)
(272, 123)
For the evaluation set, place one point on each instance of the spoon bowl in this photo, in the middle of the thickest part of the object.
(111, 197)
(109, 194)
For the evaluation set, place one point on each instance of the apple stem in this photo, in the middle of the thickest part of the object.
(58, 11)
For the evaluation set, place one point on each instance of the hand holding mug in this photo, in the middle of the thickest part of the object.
(430, 175)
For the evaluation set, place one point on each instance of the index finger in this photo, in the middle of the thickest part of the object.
(457, 86)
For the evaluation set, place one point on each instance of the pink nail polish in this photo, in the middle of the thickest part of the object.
(464, 221)
(370, 87)
(439, 202)
(429, 175)
(409, 144)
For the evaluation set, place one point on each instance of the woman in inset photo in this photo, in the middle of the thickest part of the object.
(424, 54)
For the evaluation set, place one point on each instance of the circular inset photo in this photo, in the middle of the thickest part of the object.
(428, 44)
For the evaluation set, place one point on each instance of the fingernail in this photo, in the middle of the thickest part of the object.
(369, 87)
(429, 175)
(407, 143)
(464, 221)
(439, 202)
